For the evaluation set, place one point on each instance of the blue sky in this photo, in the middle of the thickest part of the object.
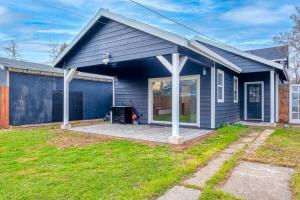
(245, 24)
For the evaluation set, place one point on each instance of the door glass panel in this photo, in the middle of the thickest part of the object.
(162, 101)
(295, 102)
(188, 101)
(254, 94)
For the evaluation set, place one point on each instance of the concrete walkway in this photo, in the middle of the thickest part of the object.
(199, 179)
(249, 180)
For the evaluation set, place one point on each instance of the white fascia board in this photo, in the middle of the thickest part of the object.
(201, 49)
(124, 20)
(95, 76)
(240, 53)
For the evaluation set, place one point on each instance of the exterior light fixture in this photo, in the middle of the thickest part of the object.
(106, 58)
(204, 71)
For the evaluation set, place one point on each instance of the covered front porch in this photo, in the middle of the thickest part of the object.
(152, 133)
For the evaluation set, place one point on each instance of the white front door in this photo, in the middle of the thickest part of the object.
(160, 100)
(294, 103)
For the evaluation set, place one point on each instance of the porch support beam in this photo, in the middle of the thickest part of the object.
(272, 96)
(175, 68)
(213, 97)
(68, 76)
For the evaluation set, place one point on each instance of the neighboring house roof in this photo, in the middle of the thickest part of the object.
(193, 44)
(25, 66)
(272, 53)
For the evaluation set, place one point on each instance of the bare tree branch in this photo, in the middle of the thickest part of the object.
(292, 39)
(12, 51)
(56, 49)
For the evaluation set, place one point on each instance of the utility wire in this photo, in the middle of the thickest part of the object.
(174, 21)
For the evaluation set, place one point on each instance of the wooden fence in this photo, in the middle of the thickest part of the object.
(4, 107)
(284, 103)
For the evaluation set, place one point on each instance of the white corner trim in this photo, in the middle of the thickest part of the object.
(213, 97)
(272, 96)
(223, 86)
(7, 78)
(239, 52)
(277, 97)
(237, 87)
(262, 97)
(113, 92)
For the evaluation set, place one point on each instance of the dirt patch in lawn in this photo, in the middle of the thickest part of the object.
(65, 141)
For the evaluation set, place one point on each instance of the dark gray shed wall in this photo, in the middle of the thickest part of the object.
(3, 77)
(120, 41)
(132, 84)
(253, 77)
(31, 97)
(227, 111)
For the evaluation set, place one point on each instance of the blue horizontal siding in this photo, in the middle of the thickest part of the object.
(120, 41)
(247, 65)
(227, 111)
(31, 97)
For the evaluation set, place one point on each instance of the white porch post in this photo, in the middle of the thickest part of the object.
(174, 68)
(277, 98)
(68, 76)
(175, 96)
(213, 97)
(272, 97)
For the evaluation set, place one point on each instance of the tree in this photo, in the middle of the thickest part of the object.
(56, 49)
(292, 39)
(12, 50)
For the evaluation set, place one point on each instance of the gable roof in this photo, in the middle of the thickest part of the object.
(239, 52)
(171, 37)
(271, 53)
(193, 44)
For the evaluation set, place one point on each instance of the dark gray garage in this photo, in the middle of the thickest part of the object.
(36, 93)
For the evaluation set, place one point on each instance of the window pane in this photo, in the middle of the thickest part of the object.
(219, 93)
(162, 100)
(188, 101)
(254, 94)
(220, 78)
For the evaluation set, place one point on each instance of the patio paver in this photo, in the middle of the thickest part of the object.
(141, 132)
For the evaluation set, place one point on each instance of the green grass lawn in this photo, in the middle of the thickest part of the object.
(33, 168)
(282, 148)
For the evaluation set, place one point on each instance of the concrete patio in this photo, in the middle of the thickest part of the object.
(141, 132)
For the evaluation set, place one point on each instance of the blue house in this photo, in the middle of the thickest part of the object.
(34, 94)
(173, 80)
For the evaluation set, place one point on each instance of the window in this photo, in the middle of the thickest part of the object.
(235, 89)
(220, 86)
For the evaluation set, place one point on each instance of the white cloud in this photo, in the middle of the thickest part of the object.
(4, 37)
(58, 31)
(259, 14)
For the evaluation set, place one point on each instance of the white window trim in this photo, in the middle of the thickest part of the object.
(220, 100)
(262, 96)
(150, 100)
(237, 88)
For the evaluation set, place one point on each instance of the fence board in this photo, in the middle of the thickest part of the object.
(284, 103)
(4, 107)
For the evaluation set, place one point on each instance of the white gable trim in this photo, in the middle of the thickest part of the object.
(176, 39)
(240, 53)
